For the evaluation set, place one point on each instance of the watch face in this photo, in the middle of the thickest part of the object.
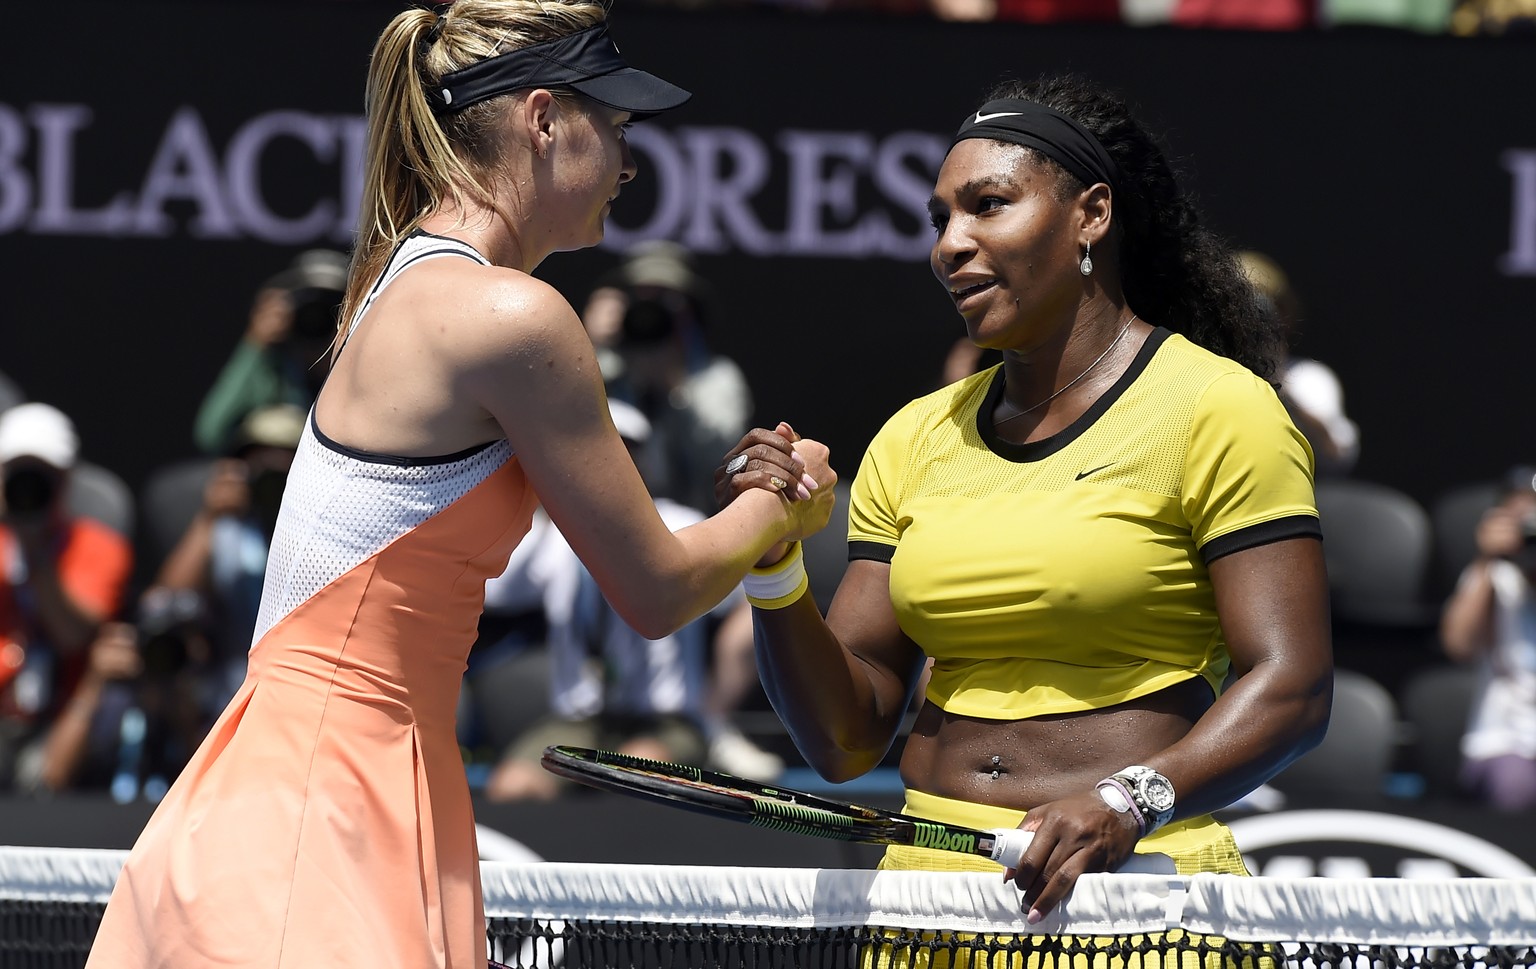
(1158, 791)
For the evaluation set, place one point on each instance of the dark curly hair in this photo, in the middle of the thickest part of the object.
(1176, 271)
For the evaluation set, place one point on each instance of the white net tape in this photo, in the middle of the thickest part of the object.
(1365, 911)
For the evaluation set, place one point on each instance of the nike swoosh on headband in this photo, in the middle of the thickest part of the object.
(996, 114)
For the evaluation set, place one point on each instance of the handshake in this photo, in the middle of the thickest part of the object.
(782, 462)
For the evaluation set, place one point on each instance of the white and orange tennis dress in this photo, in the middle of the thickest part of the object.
(326, 820)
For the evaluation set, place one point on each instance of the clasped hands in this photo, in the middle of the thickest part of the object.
(783, 462)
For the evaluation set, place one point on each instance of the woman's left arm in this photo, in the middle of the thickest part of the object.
(1272, 601)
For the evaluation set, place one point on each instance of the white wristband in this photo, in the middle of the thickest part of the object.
(779, 584)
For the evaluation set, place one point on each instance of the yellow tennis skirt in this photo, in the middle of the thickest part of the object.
(1196, 845)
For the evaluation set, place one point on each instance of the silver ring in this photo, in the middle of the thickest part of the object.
(736, 464)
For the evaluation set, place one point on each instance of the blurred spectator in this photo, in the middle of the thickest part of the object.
(1310, 390)
(697, 401)
(60, 578)
(1058, 11)
(167, 713)
(1485, 17)
(603, 317)
(1245, 14)
(284, 355)
(1490, 620)
(136, 715)
(612, 688)
(1427, 16)
(222, 556)
(1023, 11)
(975, 10)
(10, 393)
(78, 748)
(506, 680)
(733, 679)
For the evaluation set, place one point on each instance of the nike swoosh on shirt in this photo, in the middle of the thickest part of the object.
(996, 114)
(1083, 474)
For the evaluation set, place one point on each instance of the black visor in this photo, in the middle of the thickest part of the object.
(587, 61)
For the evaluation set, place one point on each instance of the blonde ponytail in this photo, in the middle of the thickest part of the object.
(414, 161)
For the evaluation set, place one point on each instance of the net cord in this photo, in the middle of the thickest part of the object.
(1366, 911)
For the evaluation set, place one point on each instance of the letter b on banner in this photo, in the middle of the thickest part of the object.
(1520, 260)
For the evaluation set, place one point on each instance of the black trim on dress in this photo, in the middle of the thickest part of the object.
(1042, 449)
(391, 270)
(402, 461)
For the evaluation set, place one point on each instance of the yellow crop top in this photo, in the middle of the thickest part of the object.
(1070, 574)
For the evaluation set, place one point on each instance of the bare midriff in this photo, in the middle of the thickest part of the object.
(1024, 763)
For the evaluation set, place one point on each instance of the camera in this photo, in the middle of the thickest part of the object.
(168, 620)
(29, 489)
(315, 282)
(314, 314)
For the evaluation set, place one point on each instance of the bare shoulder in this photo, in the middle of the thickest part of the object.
(497, 312)
(513, 341)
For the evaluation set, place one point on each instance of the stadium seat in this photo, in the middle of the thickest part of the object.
(1351, 764)
(1436, 703)
(1455, 515)
(95, 492)
(1377, 542)
(168, 501)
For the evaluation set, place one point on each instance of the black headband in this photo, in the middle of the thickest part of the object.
(1046, 130)
(587, 61)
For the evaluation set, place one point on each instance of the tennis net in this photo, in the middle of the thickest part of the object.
(580, 915)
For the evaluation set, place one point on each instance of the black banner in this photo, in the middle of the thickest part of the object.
(158, 160)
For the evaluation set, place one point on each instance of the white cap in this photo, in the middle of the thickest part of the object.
(632, 424)
(275, 425)
(38, 431)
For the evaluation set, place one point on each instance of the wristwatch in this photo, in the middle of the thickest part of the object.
(1151, 796)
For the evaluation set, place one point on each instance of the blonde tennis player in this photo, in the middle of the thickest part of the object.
(326, 820)
(1107, 546)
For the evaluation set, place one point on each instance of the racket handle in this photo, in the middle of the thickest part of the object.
(1009, 845)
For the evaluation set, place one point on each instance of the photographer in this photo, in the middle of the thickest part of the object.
(60, 578)
(283, 356)
(137, 712)
(1490, 619)
(697, 401)
(222, 556)
(78, 749)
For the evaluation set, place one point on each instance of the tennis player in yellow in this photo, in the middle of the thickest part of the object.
(1106, 547)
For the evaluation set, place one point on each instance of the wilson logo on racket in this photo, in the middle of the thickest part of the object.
(940, 837)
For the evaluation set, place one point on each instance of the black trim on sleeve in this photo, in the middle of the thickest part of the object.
(874, 551)
(1294, 526)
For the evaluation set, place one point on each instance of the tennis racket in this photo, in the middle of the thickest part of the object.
(781, 809)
